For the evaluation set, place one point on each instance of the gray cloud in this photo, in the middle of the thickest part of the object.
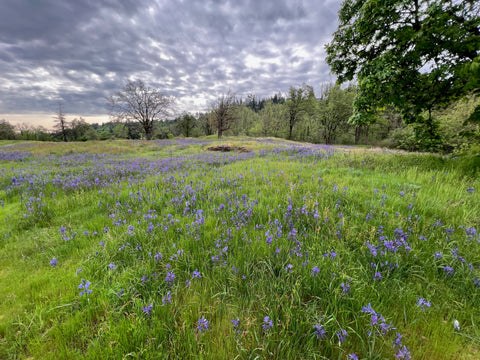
(79, 52)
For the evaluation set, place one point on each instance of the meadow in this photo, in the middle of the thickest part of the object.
(165, 250)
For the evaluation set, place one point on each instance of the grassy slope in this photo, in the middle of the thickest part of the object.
(42, 315)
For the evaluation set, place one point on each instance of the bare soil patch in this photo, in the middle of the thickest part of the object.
(228, 148)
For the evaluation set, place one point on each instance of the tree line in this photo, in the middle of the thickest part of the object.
(299, 114)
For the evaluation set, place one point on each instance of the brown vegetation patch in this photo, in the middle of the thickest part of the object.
(227, 148)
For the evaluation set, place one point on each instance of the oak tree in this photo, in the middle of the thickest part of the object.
(417, 55)
(137, 102)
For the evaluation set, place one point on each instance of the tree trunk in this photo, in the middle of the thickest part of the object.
(357, 134)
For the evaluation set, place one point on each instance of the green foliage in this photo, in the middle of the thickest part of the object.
(404, 138)
(186, 124)
(300, 103)
(122, 203)
(7, 130)
(416, 55)
(333, 111)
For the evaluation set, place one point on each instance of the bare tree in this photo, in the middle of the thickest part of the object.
(137, 102)
(61, 124)
(224, 113)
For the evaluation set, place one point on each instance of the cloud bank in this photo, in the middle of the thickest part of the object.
(80, 52)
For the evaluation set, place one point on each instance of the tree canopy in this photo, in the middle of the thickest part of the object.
(137, 102)
(417, 55)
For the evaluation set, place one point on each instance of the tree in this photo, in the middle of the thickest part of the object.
(120, 131)
(333, 111)
(137, 102)
(82, 131)
(417, 55)
(205, 123)
(299, 102)
(186, 124)
(224, 113)
(272, 116)
(7, 130)
(61, 124)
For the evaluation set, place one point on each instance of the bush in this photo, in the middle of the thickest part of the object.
(403, 138)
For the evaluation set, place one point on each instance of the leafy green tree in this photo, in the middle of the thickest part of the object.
(186, 124)
(205, 123)
(272, 118)
(300, 102)
(120, 131)
(334, 110)
(80, 130)
(7, 130)
(417, 55)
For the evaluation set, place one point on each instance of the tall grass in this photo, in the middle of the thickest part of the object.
(290, 251)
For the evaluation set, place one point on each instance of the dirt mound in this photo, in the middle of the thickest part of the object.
(227, 148)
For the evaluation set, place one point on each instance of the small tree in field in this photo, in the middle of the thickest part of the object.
(137, 102)
(61, 124)
(224, 113)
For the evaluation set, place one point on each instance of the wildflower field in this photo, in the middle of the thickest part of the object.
(165, 250)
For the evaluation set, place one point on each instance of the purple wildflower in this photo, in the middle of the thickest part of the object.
(202, 324)
(398, 340)
(147, 309)
(267, 323)
(85, 285)
(111, 266)
(345, 287)
(342, 334)
(319, 331)
(236, 324)
(166, 298)
(449, 271)
(53, 262)
(403, 353)
(170, 278)
(315, 271)
(423, 304)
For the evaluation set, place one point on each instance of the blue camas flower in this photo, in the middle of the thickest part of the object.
(85, 285)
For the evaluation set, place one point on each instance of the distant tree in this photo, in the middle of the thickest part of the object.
(120, 131)
(186, 123)
(137, 102)
(334, 109)
(278, 98)
(224, 113)
(61, 124)
(272, 116)
(416, 55)
(300, 102)
(80, 130)
(135, 130)
(7, 130)
(205, 123)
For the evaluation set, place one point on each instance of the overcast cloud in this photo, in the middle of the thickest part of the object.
(79, 52)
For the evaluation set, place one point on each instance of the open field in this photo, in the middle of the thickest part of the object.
(162, 249)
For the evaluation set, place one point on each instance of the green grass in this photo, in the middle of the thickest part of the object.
(254, 225)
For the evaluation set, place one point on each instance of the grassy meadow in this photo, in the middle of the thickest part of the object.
(165, 250)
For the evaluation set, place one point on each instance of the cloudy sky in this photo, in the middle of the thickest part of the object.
(78, 52)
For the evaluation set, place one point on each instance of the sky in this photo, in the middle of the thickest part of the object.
(79, 52)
